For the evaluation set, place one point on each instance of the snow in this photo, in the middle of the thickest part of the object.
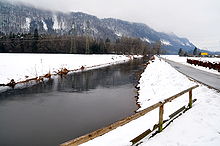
(27, 23)
(146, 39)
(165, 42)
(157, 79)
(182, 60)
(45, 25)
(55, 25)
(187, 44)
(198, 126)
(118, 34)
(62, 24)
(94, 30)
(17, 66)
(179, 41)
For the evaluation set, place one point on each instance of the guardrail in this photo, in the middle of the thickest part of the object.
(113, 126)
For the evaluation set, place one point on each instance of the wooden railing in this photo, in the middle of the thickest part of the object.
(206, 64)
(113, 126)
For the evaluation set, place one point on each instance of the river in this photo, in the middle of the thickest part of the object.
(61, 109)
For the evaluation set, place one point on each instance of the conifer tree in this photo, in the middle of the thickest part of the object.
(35, 41)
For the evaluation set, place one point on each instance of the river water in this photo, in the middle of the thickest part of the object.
(51, 113)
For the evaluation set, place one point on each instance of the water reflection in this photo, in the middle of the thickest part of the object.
(107, 77)
(53, 112)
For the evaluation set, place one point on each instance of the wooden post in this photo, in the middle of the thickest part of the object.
(190, 98)
(160, 127)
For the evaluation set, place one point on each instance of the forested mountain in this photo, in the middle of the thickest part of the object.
(20, 18)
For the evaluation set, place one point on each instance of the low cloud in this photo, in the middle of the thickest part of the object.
(198, 20)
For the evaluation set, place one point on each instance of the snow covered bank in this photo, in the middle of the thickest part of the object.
(21, 67)
(160, 81)
(197, 127)
(182, 60)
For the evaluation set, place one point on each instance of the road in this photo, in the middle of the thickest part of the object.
(209, 79)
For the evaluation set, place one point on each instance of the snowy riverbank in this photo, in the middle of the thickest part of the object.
(21, 67)
(198, 126)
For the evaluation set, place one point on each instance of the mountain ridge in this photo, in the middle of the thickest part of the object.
(20, 18)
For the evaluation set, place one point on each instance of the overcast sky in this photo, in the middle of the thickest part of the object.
(197, 20)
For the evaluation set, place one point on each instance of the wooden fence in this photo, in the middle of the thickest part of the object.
(207, 64)
(113, 126)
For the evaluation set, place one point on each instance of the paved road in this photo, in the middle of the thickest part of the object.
(204, 77)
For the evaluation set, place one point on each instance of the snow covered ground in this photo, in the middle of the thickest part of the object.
(25, 66)
(182, 60)
(198, 126)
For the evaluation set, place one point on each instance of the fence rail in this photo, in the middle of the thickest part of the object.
(113, 126)
(207, 64)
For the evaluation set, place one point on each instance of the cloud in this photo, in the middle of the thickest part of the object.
(198, 20)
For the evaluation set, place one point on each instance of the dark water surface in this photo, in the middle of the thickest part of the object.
(51, 113)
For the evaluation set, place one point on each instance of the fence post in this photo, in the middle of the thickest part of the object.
(160, 127)
(190, 98)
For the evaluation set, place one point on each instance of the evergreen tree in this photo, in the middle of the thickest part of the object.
(185, 54)
(195, 51)
(181, 52)
(2, 48)
(107, 45)
(36, 35)
(35, 41)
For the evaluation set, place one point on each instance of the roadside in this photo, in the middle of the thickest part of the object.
(183, 60)
(199, 124)
(203, 75)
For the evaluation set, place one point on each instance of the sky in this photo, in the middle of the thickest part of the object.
(197, 20)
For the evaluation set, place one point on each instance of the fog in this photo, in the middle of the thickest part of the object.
(197, 20)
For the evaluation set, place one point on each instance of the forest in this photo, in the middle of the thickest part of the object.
(74, 44)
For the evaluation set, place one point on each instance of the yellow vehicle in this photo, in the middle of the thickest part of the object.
(204, 54)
